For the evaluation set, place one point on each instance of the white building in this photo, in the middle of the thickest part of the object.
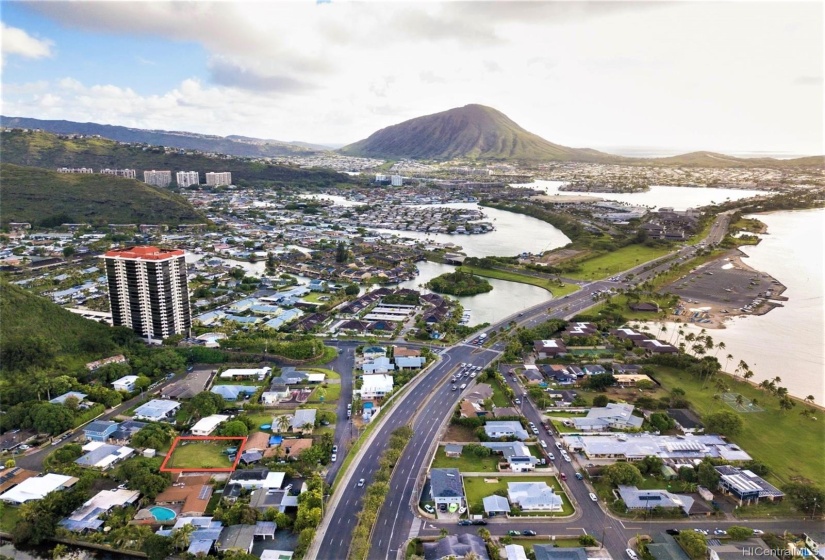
(37, 487)
(125, 383)
(246, 373)
(218, 179)
(376, 385)
(396, 180)
(205, 426)
(187, 178)
(126, 173)
(533, 496)
(157, 178)
(149, 291)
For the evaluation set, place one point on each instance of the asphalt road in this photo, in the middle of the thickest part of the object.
(342, 364)
(435, 402)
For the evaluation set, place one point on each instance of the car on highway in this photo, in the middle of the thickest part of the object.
(360, 482)
(463, 386)
(632, 555)
(534, 430)
(543, 444)
(594, 497)
(512, 533)
(558, 445)
(464, 522)
(528, 533)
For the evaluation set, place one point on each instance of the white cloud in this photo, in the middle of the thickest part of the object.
(16, 41)
(722, 76)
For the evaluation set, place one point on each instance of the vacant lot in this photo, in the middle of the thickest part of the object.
(617, 261)
(460, 434)
(465, 463)
(201, 454)
(558, 290)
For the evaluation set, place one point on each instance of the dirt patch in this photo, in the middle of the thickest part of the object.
(559, 256)
(491, 480)
(459, 433)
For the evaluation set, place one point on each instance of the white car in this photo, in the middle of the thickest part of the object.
(631, 554)
(552, 457)
(558, 445)
(593, 497)
(543, 444)
(758, 532)
(334, 457)
(567, 458)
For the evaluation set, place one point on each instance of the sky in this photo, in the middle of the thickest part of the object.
(734, 77)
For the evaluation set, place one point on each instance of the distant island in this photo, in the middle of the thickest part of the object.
(459, 284)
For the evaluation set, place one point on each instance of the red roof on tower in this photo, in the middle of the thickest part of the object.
(146, 252)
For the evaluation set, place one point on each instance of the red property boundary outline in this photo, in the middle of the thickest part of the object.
(242, 439)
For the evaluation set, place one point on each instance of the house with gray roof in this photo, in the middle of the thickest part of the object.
(636, 499)
(516, 454)
(613, 416)
(236, 537)
(534, 496)
(499, 429)
(495, 504)
(665, 547)
(99, 430)
(746, 485)
(446, 487)
(303, 417)
(548, 552)
(156, 410)
(456, 546)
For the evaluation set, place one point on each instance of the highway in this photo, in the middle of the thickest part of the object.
(427, 404)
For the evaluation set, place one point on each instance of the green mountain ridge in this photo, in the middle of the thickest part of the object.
(231, 145)
(35, 195)
(483, 133)
(47, 150)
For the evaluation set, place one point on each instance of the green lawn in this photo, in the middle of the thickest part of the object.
(477, 489)
(333, 393)
(246, 382)
(790, 444)
(528, 542)
(566, 414)
(499, 398)
(201, 454)
(622, 302)
(562, 428)
(465, 463)
(315, 297)
(779, 509)
(329, 354)
(261, 418)
(617, 261)
(549, 285)
(9, 516)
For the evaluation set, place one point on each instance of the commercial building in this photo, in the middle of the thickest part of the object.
(148, 290)
(746, 485)
(218, 179)
(676, 450)
(157, 178)
(187, 178)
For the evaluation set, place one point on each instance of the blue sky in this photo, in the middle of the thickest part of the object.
(681, 76)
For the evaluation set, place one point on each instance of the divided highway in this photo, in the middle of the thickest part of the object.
(426, 405)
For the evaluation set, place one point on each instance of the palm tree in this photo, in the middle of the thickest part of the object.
(720, 346)
(728, 358)
(740, 400)
(443, 532)
(810, 399)
(484, 534)
(283, 423)
(748, 374)
(181, 536)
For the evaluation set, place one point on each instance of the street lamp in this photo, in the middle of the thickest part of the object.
(604, 531)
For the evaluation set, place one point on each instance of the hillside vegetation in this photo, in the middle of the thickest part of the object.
(230, 145)
(42, 149)
(46, 197)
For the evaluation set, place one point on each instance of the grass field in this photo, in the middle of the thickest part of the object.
(9, 518)
(528, 542)
(329, 354)
(477, 489)
(465, 463)
(549, 285)
(333, 393)
(499, 398)
(201, 455)
(315, 297)
(764, 434)
(617, 261)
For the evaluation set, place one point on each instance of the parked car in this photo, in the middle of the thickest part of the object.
(552, 457)
(517, 401)
(360, 482)
(464, 522)
(334, 457)
(513, 533)
(631, 554)
(528, 533)
(428, 508)
(579, 476)
(719, 532)
(335, 449)
(594, 497)
(543, 444)
(563, 476)
(672, 531)
(479, 522)
(758, 532)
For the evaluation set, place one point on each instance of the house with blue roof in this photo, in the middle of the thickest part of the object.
(243, 320)
(373, 352)
(242, 305)
(318, 285)
(157, 410)
(100, 430)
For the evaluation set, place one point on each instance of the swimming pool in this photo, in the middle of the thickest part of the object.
(162, 513)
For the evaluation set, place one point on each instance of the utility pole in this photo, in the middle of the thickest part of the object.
(604, 532)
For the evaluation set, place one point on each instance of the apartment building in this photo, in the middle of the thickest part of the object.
(188, 178)
(125, 173)
(218, 179)
(157, 178)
